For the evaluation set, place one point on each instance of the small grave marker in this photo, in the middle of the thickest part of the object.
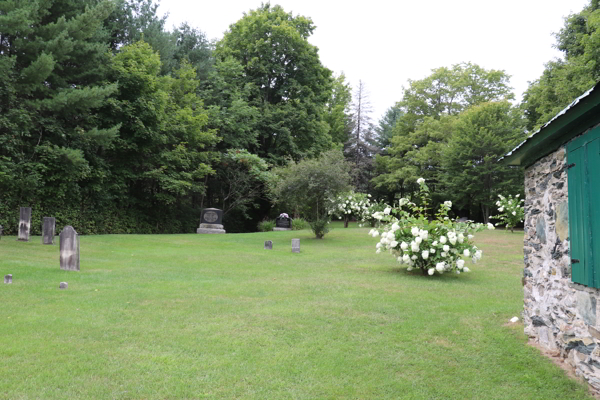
(24, 224)
(295, 245)
(63, 285)
(268, 245)
(48, 230)
(69, 249)
(8, 278)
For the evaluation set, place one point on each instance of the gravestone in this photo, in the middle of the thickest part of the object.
(1, 230)
(211, 221)
(63, 285)
(295, 245)
(48, 230)
(268, 245)
(8, 278)
(283, 223)
(69, 249)
(24, 224)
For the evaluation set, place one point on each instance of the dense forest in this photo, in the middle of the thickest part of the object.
(113, 123)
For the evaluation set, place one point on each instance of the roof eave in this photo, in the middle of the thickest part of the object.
(580, 115)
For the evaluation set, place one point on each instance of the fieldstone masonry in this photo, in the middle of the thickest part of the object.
(559, 314)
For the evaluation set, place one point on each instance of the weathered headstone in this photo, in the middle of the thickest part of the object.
(69, 249)
(24, 224)
(283, 223)
(48, 230)
(8, 278)
(1, 230)
(211, 220)
(63, 285)
(268, 245)
(295, 245)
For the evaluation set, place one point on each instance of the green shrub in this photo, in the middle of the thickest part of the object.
(299, 224)
(266, 226)
(320, 227)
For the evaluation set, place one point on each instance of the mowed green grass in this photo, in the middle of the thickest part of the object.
(218, 317)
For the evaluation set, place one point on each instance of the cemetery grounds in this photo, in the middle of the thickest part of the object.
(219, 317)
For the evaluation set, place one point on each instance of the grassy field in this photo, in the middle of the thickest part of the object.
(218, 317)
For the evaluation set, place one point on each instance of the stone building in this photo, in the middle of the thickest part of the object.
(562, 234)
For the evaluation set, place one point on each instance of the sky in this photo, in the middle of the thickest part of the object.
(386, 43)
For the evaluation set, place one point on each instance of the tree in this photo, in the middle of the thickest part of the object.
(360, 147)
(238, 184)
(471, 175)
(289, 85)
(161, 156)
(429, 106)
(309, 186)
(565, 79)
(53, 58)
(337, 112)
(387, 123)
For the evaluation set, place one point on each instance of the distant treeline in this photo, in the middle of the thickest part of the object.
(112, 123)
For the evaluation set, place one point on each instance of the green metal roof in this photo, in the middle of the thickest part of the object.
(581, 114)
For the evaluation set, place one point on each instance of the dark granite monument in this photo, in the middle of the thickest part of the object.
(24, 224)
(69, 249)
(48, 230)
(211, 221)
(283, 223)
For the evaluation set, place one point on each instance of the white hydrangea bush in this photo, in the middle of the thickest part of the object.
(435, 247)
(351, 205)
(511, 211)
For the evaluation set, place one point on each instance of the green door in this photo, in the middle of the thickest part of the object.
(583, 156)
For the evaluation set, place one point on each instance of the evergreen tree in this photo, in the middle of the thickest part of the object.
(360, 147)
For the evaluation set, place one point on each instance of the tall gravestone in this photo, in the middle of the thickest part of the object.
(211, 221)
(69, 249)
(48, 230)
(24, 224)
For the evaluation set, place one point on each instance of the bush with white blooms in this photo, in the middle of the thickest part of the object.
(437, 246)
(351, 205)
(511, 211)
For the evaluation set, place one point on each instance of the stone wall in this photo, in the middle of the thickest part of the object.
(560, 315)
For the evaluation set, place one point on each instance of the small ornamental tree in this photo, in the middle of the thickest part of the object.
(436, 246)
(351, 205)
(511, 211)
(308, 186)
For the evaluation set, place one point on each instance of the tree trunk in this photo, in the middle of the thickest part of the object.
(346, 220)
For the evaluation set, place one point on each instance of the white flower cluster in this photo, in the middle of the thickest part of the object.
(511, 211)
(352, 204)
(434, 246)
(423, 245)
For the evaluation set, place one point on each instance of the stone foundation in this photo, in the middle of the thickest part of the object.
(560, 315)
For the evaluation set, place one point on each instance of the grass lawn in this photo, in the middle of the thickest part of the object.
(218, 317)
